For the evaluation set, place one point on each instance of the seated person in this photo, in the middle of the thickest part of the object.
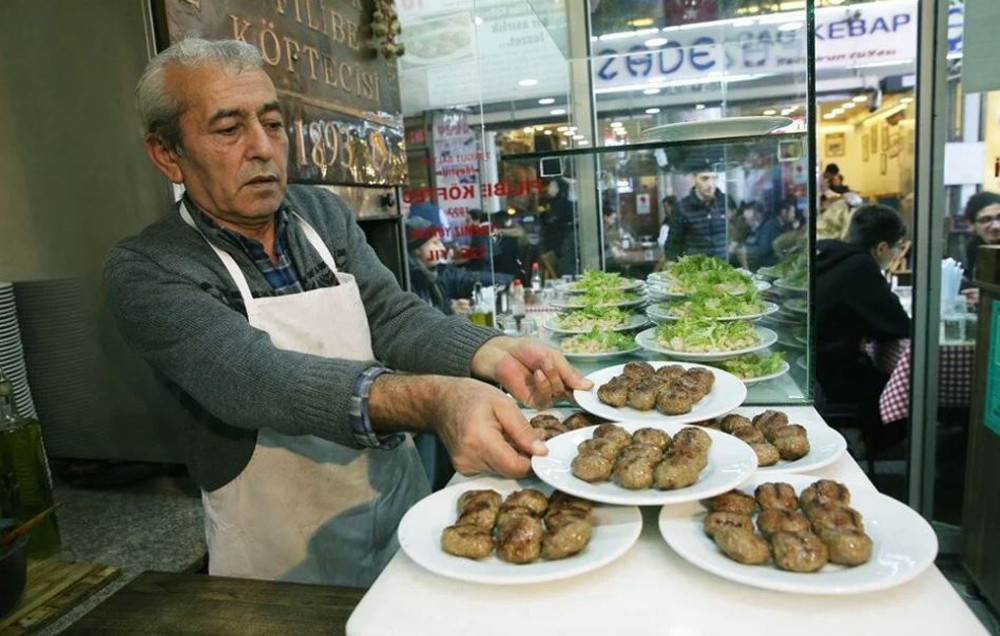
(983, 212)
(794, 228)
(758, 246)
(854, 304)
(439, 283)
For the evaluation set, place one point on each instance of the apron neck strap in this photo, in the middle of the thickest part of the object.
(227, 259)
(314, 239)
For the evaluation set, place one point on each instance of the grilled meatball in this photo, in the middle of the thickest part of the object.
(715, 521)
(470, 542)
(770, 420)
(767, 454)
(634, 473)
(792, 430)
(732, 501)
(653, 436)
(799, 551)
(677, 470)
(776, 495)
(559, 499)
(643, 395)
(638, 370)
(732, 422)
(507, 515)
(703, 378)
(848, 548)
(709, 423)
(693, 437)
(686, 453)
(613, 394)
(670, 371)
(592, 467)
(599, 446)
(831, 517)
(825, 492)
(749, 434)
(692, 385)
(551, 431)
(469, 496)
(613, 433)
(566, 540)
(543, 420)
(579, 420)
(742, 546)
(557, 518)
(773, 520)
(528, 498)
(520, 540)
(790, 442)
(644, 451)
(674, 402)
(479, 513)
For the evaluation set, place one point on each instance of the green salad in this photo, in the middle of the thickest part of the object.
(598, 281)
(594, 317)
(714, 304)
(602, 298)
(799, 278)
(696, 335)
(753, 365)
(598, 341)
(692, 274)
(794, 262)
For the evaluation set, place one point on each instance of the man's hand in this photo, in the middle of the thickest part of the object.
(534, 373)
(484, 431)
(461, 306)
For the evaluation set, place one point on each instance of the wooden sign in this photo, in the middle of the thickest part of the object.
(340, 98)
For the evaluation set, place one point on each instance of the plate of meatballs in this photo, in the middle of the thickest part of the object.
(783, 444)
(804, 535)
(635, 464)
(509, 532)
(663, 392)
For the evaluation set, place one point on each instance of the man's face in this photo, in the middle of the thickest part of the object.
(988, 223)
(235, 149)
(432, 252)
(704, 184)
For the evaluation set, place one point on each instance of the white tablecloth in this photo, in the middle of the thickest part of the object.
(652, 590)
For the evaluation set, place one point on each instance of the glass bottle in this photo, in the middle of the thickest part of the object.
(25, 481)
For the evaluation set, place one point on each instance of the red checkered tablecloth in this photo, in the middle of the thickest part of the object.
(955, 365)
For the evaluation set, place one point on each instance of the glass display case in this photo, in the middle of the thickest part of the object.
(579, 147)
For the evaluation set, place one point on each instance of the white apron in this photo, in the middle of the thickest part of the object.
(306, 509)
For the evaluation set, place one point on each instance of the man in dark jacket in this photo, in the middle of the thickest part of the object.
(758, 247)
(699, 224)
(854, 304)
(983, 212)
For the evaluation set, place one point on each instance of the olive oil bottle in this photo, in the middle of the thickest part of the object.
(25, 482)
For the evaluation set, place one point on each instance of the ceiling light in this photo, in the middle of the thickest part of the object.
(548, 132)
(699, 107)
(557, 111)
(545, 101)
(906, 100)
(859, 98)
(790, 26)
(848, 105)
(572, 129)
(528, 129)
(578, 137)
(829, 116)
(655, 42)
(770, 111)
(527, 82)
(562, 128)
(563, 143)
(641, 22)
(837, 111)
(583, 143)
(652, 111)
(477, 20)
(617, 124)
(651, 91)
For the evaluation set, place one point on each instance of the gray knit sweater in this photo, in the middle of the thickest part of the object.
(178, 307)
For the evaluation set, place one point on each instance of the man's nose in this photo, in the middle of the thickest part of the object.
(259, 145)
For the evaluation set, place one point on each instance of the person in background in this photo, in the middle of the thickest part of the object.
(667, 206)
(835, 221)
(983, 212)
(438, 282)
(559, 227)
(854, 304)
(758, 247)
(699, 224)
(794, 228)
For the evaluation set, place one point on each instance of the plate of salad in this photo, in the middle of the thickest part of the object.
(797, 282)
(713, 306)
(597, 345)
(798, 305)
(584, 320)
(698, 339)
(788, 266)
(598, 281)
(591, 300)
(756, 367)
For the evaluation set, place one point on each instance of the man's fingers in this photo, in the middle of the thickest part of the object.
(503, 459)
(524, 438)
(543, 391)
(570, 376)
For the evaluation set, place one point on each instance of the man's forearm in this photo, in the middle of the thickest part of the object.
(405, 403)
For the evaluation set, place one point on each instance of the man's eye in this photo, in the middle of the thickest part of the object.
(231, 130)
(274, 125)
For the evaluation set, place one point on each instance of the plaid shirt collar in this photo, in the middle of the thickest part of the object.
(281, 275)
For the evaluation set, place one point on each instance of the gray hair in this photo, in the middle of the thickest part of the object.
(161, 111)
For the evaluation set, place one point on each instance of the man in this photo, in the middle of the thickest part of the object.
(699, 224)
(854, 304)
(758, 246)
(983, 212)
(265, 309)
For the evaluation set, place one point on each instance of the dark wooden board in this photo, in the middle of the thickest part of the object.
(166, 603)
(54, 587)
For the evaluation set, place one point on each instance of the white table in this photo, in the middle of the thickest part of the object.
(652, 590)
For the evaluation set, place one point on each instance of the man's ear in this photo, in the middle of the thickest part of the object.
(164, 159)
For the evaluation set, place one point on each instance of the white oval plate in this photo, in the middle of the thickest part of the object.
(660, 289)
(802, 364)
(826, 445)
(568, 303)
(767, 272)
(599, 356)
(637, 321)
(647, 340)
(904, 546)
(781, 283)
(615, 529)
(785, 367)
(729, 464)
(791, 305)
(727, 393)
(567, 288)
(715, 128)
(654, 312)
